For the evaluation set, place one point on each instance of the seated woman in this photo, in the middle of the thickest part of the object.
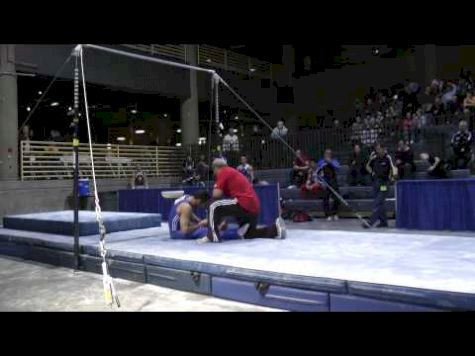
(312, 183)
(357, 165)
(139, 179)
(404, 160)
(438, 168)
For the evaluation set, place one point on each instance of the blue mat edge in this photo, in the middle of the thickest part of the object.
(445, 300)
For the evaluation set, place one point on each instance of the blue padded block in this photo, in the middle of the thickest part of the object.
(15, 249)
(351, 303)
(52, 257)
(124, 256)
(90, 264)
(127, 270)
(273, 296)
(179, 279)
(62, 222)
(424, 297)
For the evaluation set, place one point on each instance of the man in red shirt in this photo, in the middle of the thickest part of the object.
(241, 203)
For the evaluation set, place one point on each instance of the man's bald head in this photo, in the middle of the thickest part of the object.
(218, 163)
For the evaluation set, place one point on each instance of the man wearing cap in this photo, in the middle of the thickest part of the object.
(241, 202)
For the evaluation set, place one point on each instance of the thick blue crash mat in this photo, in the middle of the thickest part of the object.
(311, 270)
(62, 222)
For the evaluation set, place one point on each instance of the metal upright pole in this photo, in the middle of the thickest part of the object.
(75, 126)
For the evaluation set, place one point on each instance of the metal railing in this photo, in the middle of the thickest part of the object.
(54, 160)
(264, 152)
(208, 56)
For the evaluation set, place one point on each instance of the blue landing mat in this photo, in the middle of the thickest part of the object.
(61, 222)
(311, 270)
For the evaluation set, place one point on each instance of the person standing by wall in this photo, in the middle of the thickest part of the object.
(380, 167)
(327, 168)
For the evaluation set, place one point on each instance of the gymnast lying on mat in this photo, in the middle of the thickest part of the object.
(185, 225)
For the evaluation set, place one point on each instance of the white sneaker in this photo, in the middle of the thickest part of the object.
(329, 218)
(243, 230)
(281, 229)
(335, 217)
(203, 240)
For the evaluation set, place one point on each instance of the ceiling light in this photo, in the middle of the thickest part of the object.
(178, 144)
(165, 115)
(121, 138)
(178, 130)
(54, 103)
(139, 132)
(133, 111)
(28, 109)
(40, 92)
(252, 70)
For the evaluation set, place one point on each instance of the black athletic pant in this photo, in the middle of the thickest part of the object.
(326, 199)
(223, 208)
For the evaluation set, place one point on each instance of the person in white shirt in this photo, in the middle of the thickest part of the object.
(279, 131)
(230, 141)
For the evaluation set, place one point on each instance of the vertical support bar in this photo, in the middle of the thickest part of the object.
(156, 161)
(76, 163)
(22, 143)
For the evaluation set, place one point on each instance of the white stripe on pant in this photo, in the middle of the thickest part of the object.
(212, 207)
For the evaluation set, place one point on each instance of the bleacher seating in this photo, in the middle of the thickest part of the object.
(360, 198)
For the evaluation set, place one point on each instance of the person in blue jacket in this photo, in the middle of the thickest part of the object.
(327, 168)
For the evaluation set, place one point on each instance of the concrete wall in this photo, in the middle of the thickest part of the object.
(40, 196)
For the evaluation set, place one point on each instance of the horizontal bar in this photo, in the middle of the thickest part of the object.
(147, 58)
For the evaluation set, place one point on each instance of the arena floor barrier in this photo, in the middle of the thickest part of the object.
(151, 200)
(62, 222)
(311, 270)
(445, 204)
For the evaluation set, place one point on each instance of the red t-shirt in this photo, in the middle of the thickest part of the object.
(235, 185)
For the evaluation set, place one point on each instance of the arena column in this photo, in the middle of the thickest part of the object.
(189, 107)
(8, 114)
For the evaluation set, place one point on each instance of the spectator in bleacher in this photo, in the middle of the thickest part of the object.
(420, 121)
(357, 167)
(246, 169)
(327, 168)
(469, 101)
(26, 135)
(382, 170)
(279, 131)
(139, 179)
(231, 147)
(356, 130)
(438, 168)
(449, 97)
(404, 160)
(299, 169)
(313, 183)
(408, 128)
(462, 142)
(469, 104)
(202, 170)
(231, 141)
(188, 170)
